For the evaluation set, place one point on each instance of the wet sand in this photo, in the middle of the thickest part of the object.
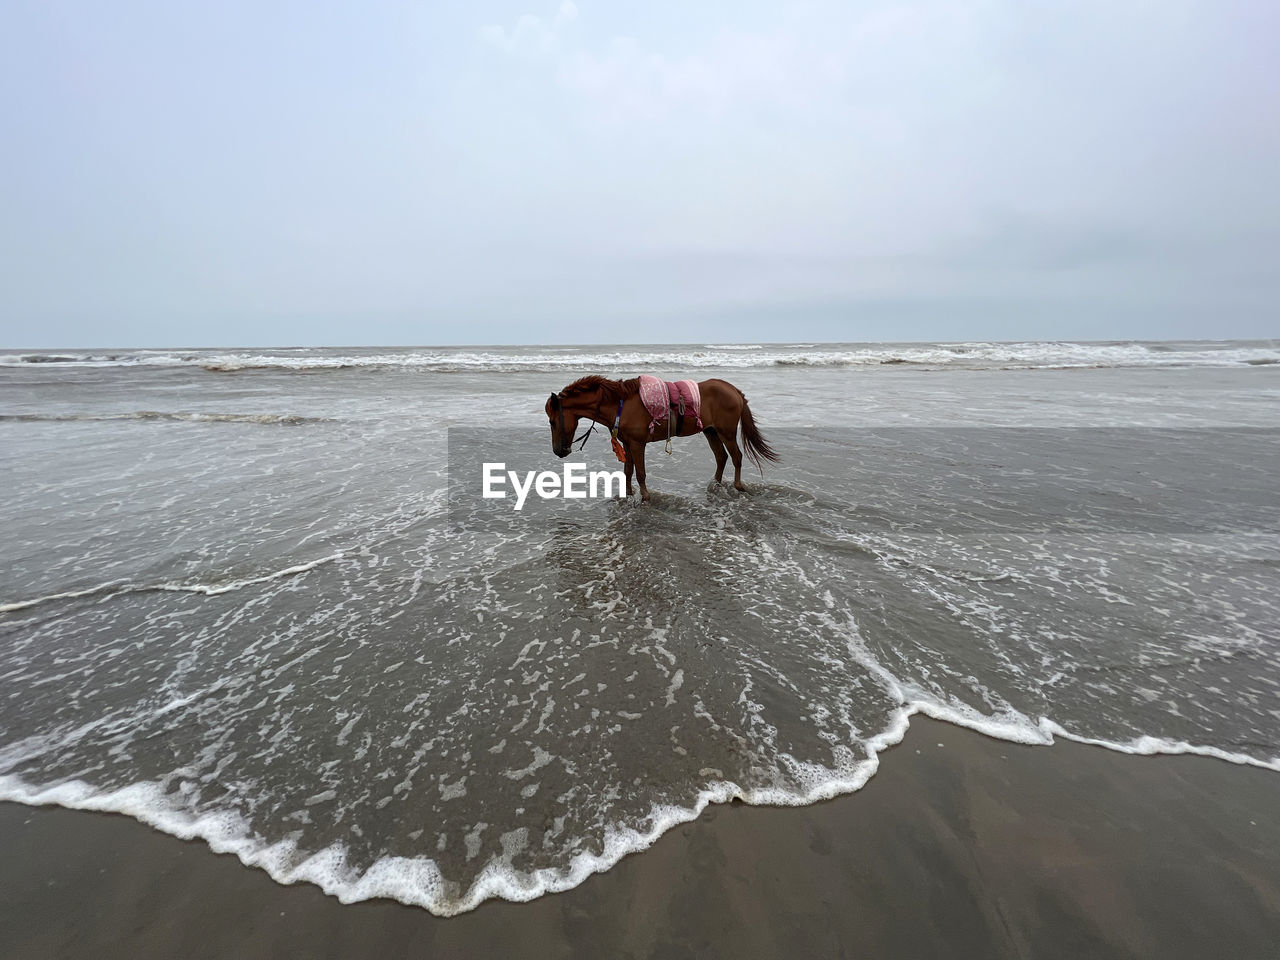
(960, 846)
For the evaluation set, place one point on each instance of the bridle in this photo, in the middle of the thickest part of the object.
(595, 418)
(583, 437)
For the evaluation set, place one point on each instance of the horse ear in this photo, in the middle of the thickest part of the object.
(555, 401)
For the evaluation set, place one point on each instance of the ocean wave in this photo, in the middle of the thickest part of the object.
(284, 419)
(409, 873)
(418, 881)
(959, 355)
(208, 589)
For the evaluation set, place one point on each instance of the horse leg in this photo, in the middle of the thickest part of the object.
(732, 444)
(722, 457)
(629, 467)
(638, 450)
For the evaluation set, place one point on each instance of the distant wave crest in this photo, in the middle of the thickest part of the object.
(283, 419)
(1030, 355)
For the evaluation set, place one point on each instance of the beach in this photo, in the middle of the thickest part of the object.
(960, 846)
(257, 601)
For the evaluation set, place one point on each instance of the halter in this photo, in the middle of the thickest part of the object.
(613, 433)
(584, 436)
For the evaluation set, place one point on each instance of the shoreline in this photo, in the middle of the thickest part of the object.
(959, 844)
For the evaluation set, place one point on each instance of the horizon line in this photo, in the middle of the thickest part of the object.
(629, 343)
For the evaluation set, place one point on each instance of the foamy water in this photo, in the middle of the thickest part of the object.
(239, 605)
(966, 355)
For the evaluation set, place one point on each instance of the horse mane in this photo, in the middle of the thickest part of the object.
(614, 390)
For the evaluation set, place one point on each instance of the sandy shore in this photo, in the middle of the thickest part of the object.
(960, 846)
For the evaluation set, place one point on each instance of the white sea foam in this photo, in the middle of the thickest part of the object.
(980, 355)
(208, 589)
(65, 595)
(285, 419)
(417, 881)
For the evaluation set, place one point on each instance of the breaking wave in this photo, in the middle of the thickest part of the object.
(970, 355)
(418, 880)
(208, 589)
(283, 419)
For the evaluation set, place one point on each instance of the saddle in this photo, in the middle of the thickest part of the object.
(662, 399)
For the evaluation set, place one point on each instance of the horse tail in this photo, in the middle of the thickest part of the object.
(758, 448)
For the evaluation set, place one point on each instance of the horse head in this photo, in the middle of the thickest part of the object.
(564, 425)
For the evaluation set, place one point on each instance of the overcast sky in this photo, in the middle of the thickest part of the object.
(266, 173)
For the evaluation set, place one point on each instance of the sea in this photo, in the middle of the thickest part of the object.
(253, 596)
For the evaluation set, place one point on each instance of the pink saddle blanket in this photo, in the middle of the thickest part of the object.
(660, 398)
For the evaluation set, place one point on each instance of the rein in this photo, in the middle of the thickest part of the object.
(595, 418)
(584, 436)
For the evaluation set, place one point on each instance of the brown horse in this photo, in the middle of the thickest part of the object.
(601, 400)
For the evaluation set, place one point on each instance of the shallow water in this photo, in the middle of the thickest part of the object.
(240, 603)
